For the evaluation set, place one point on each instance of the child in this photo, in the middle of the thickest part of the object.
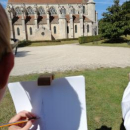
(6, 65)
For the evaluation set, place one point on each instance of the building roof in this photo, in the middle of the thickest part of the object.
(86, 19)
(76, 18)
(47, 1)
(54, 19)
(43, 19)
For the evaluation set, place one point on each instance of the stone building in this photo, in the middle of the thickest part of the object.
(52, 19)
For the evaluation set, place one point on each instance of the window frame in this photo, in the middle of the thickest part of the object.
(30, 30)
(88, 28)
(76, 29)
(18, 31)
(55, 31)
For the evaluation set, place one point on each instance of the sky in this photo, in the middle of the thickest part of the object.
(101, 5)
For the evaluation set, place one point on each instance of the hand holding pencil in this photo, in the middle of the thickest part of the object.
(27, 118)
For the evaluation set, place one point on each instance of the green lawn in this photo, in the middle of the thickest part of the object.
(51, 43)
(101, 43)
(104, 90)
(62, 42)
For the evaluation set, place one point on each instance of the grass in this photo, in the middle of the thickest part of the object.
(62, 42)
(102, 43)
(51, 43)
(104, 90)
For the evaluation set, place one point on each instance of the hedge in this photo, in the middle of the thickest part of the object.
(24, 43)
(88, 39)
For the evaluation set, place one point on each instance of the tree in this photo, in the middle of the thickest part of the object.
(126, 13)
(111, 26)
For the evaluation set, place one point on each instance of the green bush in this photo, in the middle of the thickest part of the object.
(69, 39)
(24, 43)
(52, 40)
(88, 39)
(116, 40)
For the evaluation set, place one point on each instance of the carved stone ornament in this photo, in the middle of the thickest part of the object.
(23, 8)
(35, 8)
(9, 8)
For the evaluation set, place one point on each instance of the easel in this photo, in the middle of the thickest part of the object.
(59, 103)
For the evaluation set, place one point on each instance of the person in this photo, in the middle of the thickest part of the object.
(125, 105)
(6, 65)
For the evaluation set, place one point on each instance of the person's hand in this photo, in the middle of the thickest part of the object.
(22, 116)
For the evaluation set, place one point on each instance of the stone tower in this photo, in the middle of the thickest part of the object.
(91, 10)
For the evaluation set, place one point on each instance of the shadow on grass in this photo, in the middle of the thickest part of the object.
(119, 40)
(104, 128)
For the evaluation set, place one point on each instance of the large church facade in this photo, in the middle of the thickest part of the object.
(52, 19)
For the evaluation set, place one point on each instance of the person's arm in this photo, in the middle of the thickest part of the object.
(21, 116)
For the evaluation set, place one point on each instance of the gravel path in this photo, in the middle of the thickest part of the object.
(68, 57)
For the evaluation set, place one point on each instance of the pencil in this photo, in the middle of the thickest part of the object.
(18, 122)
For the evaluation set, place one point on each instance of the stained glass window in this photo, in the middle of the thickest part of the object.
(18, 31)
(52, 11)
(30, 31)
(54, 29)
(87, 28)
(63, 10)
(18, 11)
(67, 29)
(75, 28)
(41, 10)
(83, 9)
(30, 11)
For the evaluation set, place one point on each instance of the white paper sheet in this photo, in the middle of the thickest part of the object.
(126, 107)
(61, 106)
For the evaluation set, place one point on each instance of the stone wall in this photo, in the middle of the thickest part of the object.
(46, 31)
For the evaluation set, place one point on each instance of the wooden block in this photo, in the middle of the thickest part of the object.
(45, 79)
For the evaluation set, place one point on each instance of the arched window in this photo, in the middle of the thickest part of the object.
(18, 31)
(52, 11)
(83, 9)
(75, 28)
(87, 28)
(41, 10)
(83, 29)
(73, 11)
(30, 31)
(18, 11)
(67, 29)
(54, 29)
(63, 10)
(30, 11)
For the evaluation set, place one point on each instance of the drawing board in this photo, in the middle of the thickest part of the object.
(60, 106)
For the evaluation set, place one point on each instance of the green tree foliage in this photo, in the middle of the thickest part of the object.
(115, 21)
(126, 12)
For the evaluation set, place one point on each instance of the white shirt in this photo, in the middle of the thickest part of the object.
(126, 107)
